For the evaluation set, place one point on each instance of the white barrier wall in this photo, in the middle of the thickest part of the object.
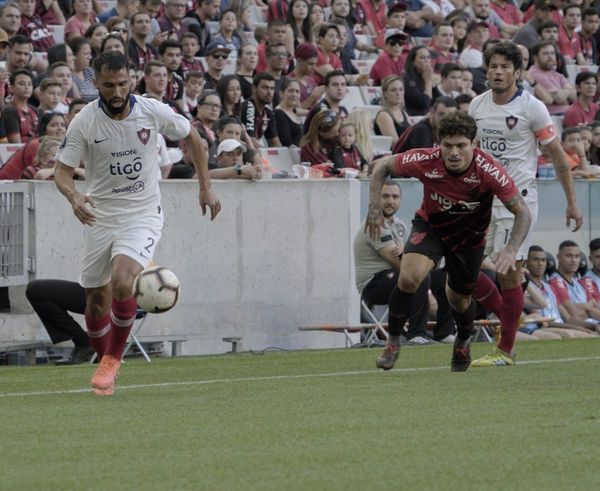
(277, 257)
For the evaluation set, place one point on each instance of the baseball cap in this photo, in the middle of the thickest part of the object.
(305, 51)
(392, 33)
(3, 37)
(397, 7)
(544, 4)
(229, 145)
(217, 46)
(474, 24)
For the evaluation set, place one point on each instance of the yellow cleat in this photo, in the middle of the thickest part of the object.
(496, 358)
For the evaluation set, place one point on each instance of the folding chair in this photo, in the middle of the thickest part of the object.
(141, 317)
(372, 334)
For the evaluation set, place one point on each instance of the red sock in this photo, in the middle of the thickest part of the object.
(512, 306)
(98, 331)
(487, 294)
(122, 316)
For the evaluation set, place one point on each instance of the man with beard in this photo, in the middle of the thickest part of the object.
(336, 87)
(116, 138)
(257, 116)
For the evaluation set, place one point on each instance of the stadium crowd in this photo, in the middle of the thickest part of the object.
(253, 74)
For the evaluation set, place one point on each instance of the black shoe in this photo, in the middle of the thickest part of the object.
(79, 355)
(461, 356)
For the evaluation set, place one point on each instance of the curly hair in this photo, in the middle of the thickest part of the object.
(457, 124)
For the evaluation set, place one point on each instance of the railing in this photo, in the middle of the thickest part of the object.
(15, 201)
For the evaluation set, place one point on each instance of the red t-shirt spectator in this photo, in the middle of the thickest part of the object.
(23, 157)
(385, 66)
(568, 46)
(323, 59)
(577, 114)
(34, 29)
(376, 15)
(507, 12)
(18, 122)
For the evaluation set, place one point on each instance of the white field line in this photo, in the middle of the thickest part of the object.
(281, 377)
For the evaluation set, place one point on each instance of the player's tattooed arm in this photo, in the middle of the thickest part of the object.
(506, 257)
(565, 177)
(382, 169)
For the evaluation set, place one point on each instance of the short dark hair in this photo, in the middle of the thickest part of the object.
(19, 39)
(457, 124)
(535, 248)
(169, 43)
(444, 23)
(112, 60)
(77, 42)
(445, 101)
(570, 6)
(463, 99)
(326, 27)
(569, 131)
(583, 76)
(259, 77)
(391, 182)
(276, 23)
(547, 24)
(269, 50)
(76, 102)
(45, 120)
(58, 52)
(537, 47)
(509, 50)
(190, 75)
(207, 93)
(448, 68)
(567, 243)
(588, 12)
(20, 71)
(334, 73)
(594, 244)
(286, 82)
(225, 120)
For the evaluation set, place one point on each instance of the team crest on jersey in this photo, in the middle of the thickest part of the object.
(511, 121)
(144, 135)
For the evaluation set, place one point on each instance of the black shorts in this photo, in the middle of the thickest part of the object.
(462, 267)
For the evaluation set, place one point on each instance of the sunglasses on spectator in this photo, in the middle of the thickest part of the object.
(395, 42)
(222, 57)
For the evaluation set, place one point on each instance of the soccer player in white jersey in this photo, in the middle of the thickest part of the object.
(116, 138)
(510, 123)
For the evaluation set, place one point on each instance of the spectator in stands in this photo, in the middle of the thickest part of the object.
(327, 60)
(481, 10)
(508, 12)
(289, 124)
(189, 61)
(245, 68)
(139, 50)
(230, 93)
(257, 117)
(392, 60)
(276, 34)
(230, 162)
(590, 21)
(543, 71)
(152, 8)
(419, 19)
(352, 73)
(396, 19)
(584, 109)
(118, 25)
(114, 42)
(20, 118)
(123, 8)
(451, 83)
(306, 62)
(586, 138)
(463, 101)
(594, 152)
(528, 34)
(95, 34)
(576, 157)
(61, 72)
(467, 83)
(82, 18)
(418, 81)
(19, 53)
(361, 118)
(83, 75)
(50, 96)
(316, 14)
(10, 19)
(277, 59)
(335, 91)
(478, 33)
(184, 169)
(459, 21)
(171, 20)
(32, 27)
(196, 20)
(441, 46)
(375, 13)
(170, 53)
(52, 301)
(540, 298)
(346, 154)
(241, 8)
(317, 144)
(424, 133)
(594, 260)
(62, 52)
(298, 24)
(216, 56)
(51, 124)
(192, 88)
(207, 113)
(548, 31)
(392, 119)
(568, 40)
(42, 168)
(574, 302)
(228, 34)
(155, 80)
(231, 127)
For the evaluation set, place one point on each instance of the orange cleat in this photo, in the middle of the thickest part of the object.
(103, 380)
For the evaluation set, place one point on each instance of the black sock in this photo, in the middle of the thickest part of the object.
(399, 304)
(464, 322)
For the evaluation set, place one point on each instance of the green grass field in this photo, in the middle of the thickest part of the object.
(312, 420)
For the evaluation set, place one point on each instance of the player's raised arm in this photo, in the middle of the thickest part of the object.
(63, 177)
(506, 257)
(565, 177)
(200, 159)
(383, 168)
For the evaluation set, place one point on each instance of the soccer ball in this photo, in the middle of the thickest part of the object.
(156, 289)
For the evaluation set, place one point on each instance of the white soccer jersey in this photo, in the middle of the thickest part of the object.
(121, 158)
(511, 133)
